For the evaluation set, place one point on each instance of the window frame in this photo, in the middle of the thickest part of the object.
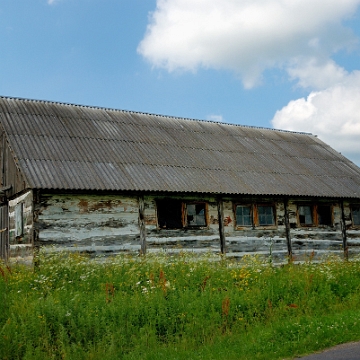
(315, 215)
(239, 226)
(255, 222)
(186, 214)
(256, 215)
(183, 221)
(355, 226)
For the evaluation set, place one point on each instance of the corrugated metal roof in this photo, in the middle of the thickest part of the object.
(73, 147)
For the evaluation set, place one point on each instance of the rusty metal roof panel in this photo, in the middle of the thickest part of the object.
(64, 146)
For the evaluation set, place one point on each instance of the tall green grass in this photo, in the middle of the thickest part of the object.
(182, 307)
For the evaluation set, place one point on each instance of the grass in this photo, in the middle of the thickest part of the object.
(182, 307)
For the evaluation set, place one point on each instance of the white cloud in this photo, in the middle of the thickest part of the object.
(250, 36)
(333, 114)
(216, 118)
(246, 36)
(316, 74)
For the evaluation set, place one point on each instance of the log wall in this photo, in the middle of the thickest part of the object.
(89, 223)
(113, 224)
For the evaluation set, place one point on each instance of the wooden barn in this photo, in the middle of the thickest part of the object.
(107, 181)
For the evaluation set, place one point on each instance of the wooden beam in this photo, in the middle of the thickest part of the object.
(287, 229)
(343, 232)
(4, 189)
(4, 234)
(220, 207)
(142, 225)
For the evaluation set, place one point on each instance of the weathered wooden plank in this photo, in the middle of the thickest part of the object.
(271, 247)
(95, 224)
(142, 225)
(4, 232)
(343, 232)
(220, 208)
(18, 251)
(277, 257)
(287, 228)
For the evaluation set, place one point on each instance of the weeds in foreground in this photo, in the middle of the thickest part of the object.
(179, 307)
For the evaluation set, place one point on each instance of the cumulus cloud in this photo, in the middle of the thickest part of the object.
(245, 36)
(316, 74)
(250, 36)
(333, 114)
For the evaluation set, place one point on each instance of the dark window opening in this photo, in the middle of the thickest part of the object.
(196, 214)
(305, 215)
(324, 215)
(355, 213)
(169, 214)
(266, 215)
(243, 215)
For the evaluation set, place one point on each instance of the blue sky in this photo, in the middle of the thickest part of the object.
(273, 63)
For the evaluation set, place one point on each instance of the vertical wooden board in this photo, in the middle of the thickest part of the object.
(229, 219)
(150, 213)
(4, 232)
(213, 220)
(292, 210)
(347, 214)
(280, 214)
(343, 232)
(142, 227)
(220, 207)
(337, 216)
(287, 228)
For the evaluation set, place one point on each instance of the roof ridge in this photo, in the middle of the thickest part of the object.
(158, 115)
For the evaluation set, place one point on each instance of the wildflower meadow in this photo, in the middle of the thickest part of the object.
(175, 307)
